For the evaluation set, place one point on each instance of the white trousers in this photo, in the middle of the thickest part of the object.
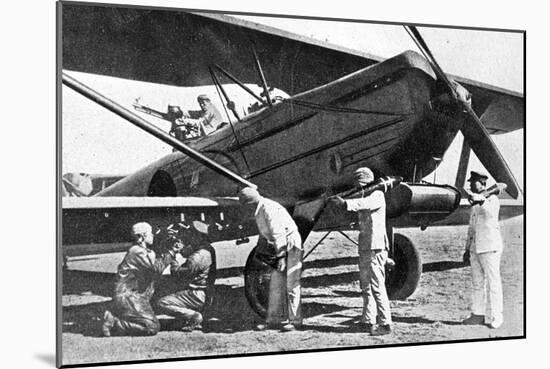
(372, 278)
(487, 286)
(285, 291)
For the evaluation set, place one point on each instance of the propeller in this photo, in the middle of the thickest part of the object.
(472, 129)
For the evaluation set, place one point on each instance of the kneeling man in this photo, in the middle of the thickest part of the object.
(132, 314)
(196, 277)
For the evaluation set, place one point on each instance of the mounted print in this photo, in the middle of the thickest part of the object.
(232, 184)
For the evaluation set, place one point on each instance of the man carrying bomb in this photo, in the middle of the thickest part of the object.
(277, 227)
(373, 253)
(483, 250)
(196, 277)
(132, 314)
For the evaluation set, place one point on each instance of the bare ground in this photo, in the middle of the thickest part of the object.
(331, 303)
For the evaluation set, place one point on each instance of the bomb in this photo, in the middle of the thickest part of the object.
(383, 184)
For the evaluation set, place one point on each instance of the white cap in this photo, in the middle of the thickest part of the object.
(249, 195)
(141, 228)
(364, 174)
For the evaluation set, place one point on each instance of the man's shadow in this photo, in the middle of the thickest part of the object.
(75, 282)
(229, 312)
(84, 319)
(352, 324)
(441, 266)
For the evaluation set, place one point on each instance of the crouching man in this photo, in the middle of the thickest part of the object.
(196, 276)
(277, 227)
(132, 314)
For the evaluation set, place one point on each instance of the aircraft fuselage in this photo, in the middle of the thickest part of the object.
(380, 117)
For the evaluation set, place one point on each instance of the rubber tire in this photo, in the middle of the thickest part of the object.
(257, 276)
(402, 280)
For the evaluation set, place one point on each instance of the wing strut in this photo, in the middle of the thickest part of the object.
(235, 80)
(153, 130)
(262, 77)
(231, 105)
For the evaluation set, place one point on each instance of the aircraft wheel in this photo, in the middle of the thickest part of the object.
(257, 275)
(403, 279)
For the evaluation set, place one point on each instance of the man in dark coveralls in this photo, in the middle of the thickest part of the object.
(195, 276)
(132, 314)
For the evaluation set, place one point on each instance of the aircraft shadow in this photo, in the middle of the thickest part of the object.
(441, 266)
(78, 282)
(230, 311)
(342, 293)
(99, 283)
(437, 266)
(351, 325)
(331, 263)
(415, 320)
(330, 280)
(84, 319)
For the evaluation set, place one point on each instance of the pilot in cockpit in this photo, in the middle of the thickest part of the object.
(207, 120)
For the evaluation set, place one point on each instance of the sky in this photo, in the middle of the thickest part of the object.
(97, 141)
(486, 56)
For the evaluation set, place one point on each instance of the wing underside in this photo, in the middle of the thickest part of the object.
(106, 220)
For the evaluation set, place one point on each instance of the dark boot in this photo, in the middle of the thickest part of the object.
(366, 327)
(382, 330)
(474, 319)
(194, 323)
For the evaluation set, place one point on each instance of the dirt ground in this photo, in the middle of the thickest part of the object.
(331, 303)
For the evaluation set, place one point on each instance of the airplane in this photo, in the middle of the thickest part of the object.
(345, 110)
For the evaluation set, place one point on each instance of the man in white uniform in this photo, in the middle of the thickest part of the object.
(277, 227)
(373, 253)
(483, 250)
